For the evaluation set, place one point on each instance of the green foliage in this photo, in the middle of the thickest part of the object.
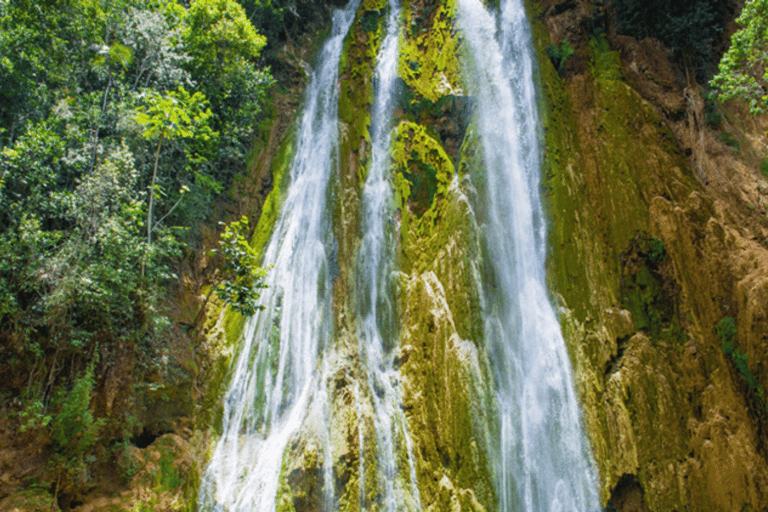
(34, 417)
(712, 115)
(127, 462)
(742, 72)
(74, 431)
(175, 114)
(728, 139)
(220, 39)
(559, 54)
(604, 62)
(646, 290)
(689, 26)
(167, 476)
(241, 276)
(267, 17)
(726, 331)
(657, 252)
(107, 108)
(764, 167)
(370, 20)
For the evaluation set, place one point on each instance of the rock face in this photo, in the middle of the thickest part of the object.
(658, 234)
(658, 237)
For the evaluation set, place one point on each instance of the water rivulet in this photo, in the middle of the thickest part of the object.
(543, 462)
(408, 357)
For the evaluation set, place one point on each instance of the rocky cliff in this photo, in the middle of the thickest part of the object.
(659, 251)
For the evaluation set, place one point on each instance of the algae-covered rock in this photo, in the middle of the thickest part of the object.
(646, 259)
(446, 392)
(447, 401)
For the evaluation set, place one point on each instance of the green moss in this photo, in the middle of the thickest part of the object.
(449, 415)
(726, 331)
(422, 162)
(438, 241)
(568, 270)
(284, 497)
(605, 182)
(271, 209)
(31, 499)
(608, 155)
(605, 64)
(224, 327)
(428, 58)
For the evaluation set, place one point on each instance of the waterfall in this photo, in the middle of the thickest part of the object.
(276, 372)
(376, 315)
(540, 461)
(543, 461)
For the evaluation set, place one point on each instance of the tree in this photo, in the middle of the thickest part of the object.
(743, 72)
(223, 47)
(220, 39)
(176, 114)
(155, 37)
(110, 114)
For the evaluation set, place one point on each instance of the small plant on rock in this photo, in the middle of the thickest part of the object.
(559, 54)
(726, 331)
(241, 276)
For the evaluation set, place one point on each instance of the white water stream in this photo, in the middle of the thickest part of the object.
(376, 314)
(277, 371)
(542, 462)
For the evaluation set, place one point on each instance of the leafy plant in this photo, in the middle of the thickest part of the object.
(241, 276)
(127, 462)
(726, 331)
(370, 20)
(34, 417)
(559, 54)
(657, 251)
(177, 114)
(742, 72)
(74, 431)
(220, 39)
(728, 139)
(605, 63)
(712, 115)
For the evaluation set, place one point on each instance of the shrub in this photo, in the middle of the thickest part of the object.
(74, 431)
(728, 139)
(241, 276)
(559, 54)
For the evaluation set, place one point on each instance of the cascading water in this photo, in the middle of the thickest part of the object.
(280, 377)
(276, 372)
(375, 304)
(543, 462)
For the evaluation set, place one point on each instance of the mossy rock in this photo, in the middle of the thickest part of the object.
(429, 62)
